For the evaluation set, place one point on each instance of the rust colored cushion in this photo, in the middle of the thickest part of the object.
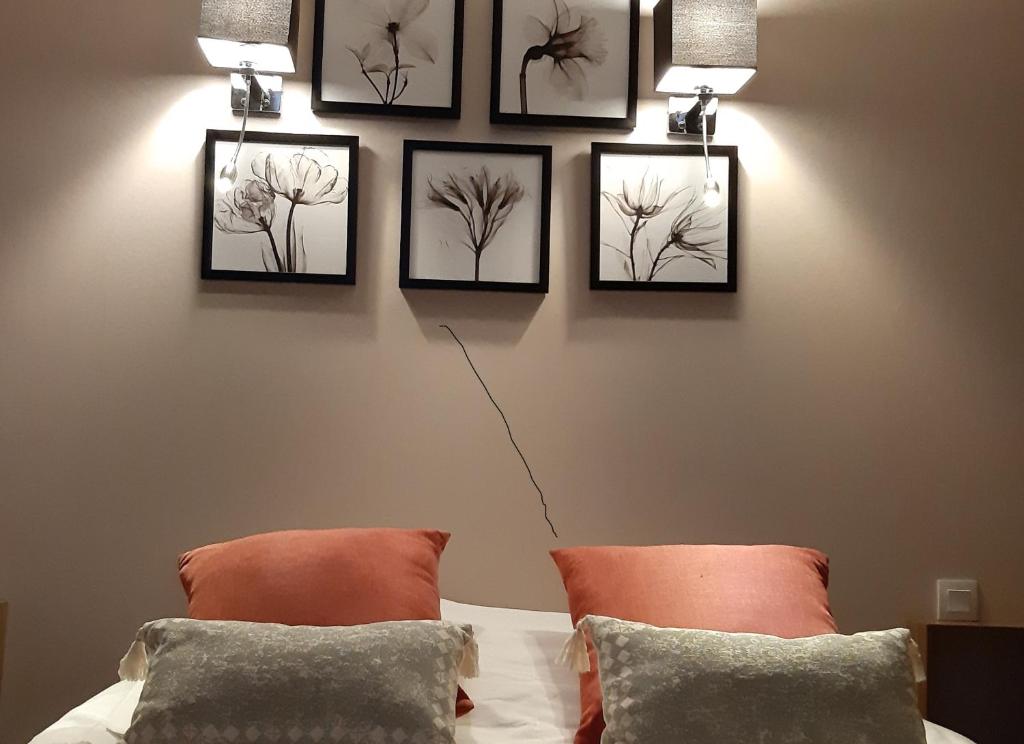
(318, 577)
(771, 590)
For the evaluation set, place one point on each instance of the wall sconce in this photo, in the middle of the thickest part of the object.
(703, 49)
(258, 41)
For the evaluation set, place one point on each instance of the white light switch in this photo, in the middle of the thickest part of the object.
(958, 600)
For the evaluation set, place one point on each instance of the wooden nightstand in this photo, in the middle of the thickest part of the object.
(975, 679)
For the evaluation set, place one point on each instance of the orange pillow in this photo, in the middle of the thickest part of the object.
(320, 578)
(772, 590)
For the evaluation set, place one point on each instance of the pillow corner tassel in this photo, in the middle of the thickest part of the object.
(917, 662)
(134, 666)
(469, 662)
(574, 653)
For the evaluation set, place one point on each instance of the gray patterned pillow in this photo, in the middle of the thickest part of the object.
(666, 686)
(253, 683)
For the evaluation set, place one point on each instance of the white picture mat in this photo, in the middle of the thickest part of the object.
(342, 80)
(676, 172)
(608, 84)
(514, 254)
(324, 227)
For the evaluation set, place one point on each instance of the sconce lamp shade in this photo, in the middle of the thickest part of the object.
(262, 34)
(709, 43)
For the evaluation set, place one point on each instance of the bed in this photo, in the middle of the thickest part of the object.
(522, 695)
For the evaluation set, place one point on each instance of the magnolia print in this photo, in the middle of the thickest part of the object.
(398, 41)
(386, 56)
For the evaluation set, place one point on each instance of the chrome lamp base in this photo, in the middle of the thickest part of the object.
(265, 93)
(685, 116)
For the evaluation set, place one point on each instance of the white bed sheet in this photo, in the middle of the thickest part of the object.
(522, 695)
(521, 698)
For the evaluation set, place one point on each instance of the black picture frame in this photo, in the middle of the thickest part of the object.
(543, 152)
(211, 172)
(626, 123)
(327, 107)
(598, 150)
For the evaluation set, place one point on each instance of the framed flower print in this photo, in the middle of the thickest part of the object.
(475, 216)
(388, 57)
(565, 63)
(653, 228)
(290, 216)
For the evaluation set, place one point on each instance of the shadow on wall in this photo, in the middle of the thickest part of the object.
(585, 304)
(348, 303)
(354, 307)
(487, 317)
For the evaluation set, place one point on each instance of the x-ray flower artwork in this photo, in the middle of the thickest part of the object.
(483, 204)
(694, 233)
(292, 179)
(565, 44)
(476, 216)
(397, 42)
(389, 57)
(654, 229)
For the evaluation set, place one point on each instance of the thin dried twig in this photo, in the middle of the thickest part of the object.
(512, 439)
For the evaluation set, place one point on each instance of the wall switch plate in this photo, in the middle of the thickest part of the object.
(958, 600)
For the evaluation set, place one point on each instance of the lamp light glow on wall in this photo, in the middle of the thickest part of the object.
(257, 40)
(703, 49)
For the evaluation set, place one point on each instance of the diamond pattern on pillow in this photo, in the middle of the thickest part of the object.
(664, 686)
(254, 683)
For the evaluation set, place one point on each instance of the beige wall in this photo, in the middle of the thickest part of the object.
(861, 393)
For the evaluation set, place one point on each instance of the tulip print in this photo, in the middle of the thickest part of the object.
(302, 180)
(394, 27)
(298, 178)
(482, 202)
(249, 209)
(565, 42)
